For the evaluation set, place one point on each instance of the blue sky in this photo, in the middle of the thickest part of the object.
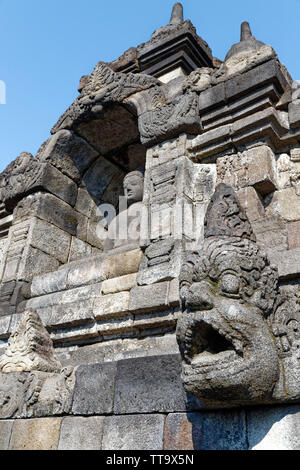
(46, 45)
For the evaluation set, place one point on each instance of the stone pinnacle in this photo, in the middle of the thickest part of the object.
(177, 14)
(246, 33)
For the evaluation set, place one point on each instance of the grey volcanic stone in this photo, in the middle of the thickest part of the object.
(148, 385)
(137, 432)
(81, 433)
(223, 430)
(94, 389)
(274, 428)
(5, 433)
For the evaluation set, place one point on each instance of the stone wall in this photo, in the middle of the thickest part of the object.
(112, 316)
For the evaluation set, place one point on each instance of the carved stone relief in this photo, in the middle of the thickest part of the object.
(29, 347)
(238, 337)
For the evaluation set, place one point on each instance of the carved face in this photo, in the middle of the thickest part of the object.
(133, 188)
(229, 354)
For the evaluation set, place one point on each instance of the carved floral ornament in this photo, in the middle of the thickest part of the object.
(238, 336)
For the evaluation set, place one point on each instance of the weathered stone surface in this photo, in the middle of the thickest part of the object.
(81, 433)
(293, 235)
(166, 151)
(29, 347)
(295, 154)
(33, 263)
(251, 203)
(149, 298)
(5, 433)
(50, 239)
(111, 305)
(223, 430)
(79, 250)
(294, 114)
(255, 167)
(27, 174)
(4, 326)
(36, 434)
(94, 389)
(51, 209)
(48, 283)
(149, 385)
(119, 284)
(287, 261)
(84, 203)
(68, 153)
(274, 428)
(100, 268)
(98, 177)
(71, 314)
(285, 203)
(271, 233)
(137, 432)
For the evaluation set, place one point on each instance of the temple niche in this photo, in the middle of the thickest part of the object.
(149, 257)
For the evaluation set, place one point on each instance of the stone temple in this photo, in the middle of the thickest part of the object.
(150, 257)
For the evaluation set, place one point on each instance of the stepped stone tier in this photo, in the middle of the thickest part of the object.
(150, 257)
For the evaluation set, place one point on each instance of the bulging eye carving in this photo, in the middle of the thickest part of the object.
(230, 284)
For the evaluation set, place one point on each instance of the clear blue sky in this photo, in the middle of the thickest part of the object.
(46, 45)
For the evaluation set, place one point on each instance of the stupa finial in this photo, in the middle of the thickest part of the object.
(177, 14)
(246, 33)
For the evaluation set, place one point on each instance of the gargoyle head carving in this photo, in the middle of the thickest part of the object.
(228, 290)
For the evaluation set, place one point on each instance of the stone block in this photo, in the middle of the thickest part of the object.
(174, 297)
(35, 434)
(285, 203)
(94, 389)
(288, 263)
(81, 433)
(100, 268)
(211, 97)
(72, 314)
(251, 203)
(59, 185)
(149, 385)
(166, 151)
(84, 204)
(49, 283)
(261, 172)
(222, 430)
(36, 262)
(255, 167)
(137, 432)
(295, 155)
(149, 298)
(122, 264)
(79, 250)
(5, 433)
(274, 428)
(98, 177)
(50, 239)
(116, 326)
(293, 235)
(119, 284)
(111, 305)
(269, 72)
(69, 153)
(294, 114)
(4, 326)
(271, 233)
(49, 208)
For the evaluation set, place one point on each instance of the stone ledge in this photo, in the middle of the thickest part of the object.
(288, 263)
